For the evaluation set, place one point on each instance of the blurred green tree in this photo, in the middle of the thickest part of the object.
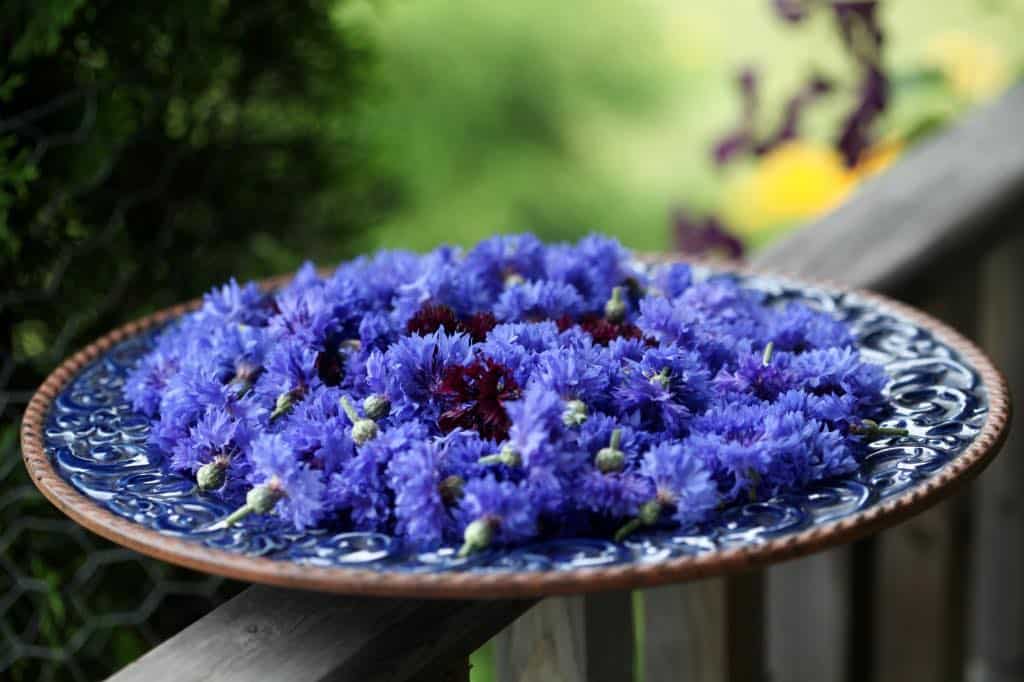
(147, 151)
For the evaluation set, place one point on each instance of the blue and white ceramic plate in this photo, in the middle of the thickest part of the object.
(87, 451)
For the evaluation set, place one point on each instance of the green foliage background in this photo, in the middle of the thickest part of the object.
(147, 150)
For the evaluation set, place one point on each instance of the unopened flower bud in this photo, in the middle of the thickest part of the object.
(377, 406)
(508, 456)
(514, 279)
(364, 430)
(262, 498)
(662, 378)
(259, 500)
(212, 474)
(575, 413)
(611, 458)
(451, 489)
(615, 308)
(477, 536)
(284, 404)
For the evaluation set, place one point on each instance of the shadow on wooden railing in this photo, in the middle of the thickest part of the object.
(940, 597)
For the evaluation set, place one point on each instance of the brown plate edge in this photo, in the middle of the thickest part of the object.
(519, 584)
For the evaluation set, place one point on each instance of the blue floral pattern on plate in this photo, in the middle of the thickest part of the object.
(99, 445)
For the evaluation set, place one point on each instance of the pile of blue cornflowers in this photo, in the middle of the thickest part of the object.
(512, 392)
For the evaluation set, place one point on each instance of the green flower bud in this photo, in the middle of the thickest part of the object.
(451, 489)
(259, 500)
(611, 458)
(513, 279)
(376, 406)
(575, 413)
(478, 536)
(648, 516)
(650, 511)
(508, 456)
(615, 308)
(364, 430)
(284, 404)
(662, 378)
(212, 474)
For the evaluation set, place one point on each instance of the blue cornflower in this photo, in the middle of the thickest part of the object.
(413, 368)
(537, 428)
(495, 512)
(667, 387)
(232, 304)
(671, 279)
(305, 315)
(593, 267)
(318, 431)
(290, 374)
(536, 301)
(763, 375)
(443, 281)
(798, 328)
(361, 487)
(583, 373)
(283, 483)
(841, 371)
(681, 481)
(415, 479)
(506, 259)
(614, 495)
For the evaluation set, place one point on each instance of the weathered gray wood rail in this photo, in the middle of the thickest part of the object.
(940, 597)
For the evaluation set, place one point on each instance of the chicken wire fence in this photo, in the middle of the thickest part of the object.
(73, 606)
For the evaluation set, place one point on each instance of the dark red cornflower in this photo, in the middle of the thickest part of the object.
(475, 396)
(479, 325)
(600, 329)
(330, 366)
(431, 317)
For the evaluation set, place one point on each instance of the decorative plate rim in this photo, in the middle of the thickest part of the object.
(516, 584)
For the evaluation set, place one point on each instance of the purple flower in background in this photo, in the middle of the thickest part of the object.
(861, 33)
(705, 238)
(741, 139)
(793, 11)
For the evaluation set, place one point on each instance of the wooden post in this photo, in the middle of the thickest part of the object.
(997, 589)
(922, 563)
(546, 643)
(807, 634)
(744, 609)
(685, 632)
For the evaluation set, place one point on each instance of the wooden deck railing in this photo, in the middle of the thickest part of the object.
(940, 597)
